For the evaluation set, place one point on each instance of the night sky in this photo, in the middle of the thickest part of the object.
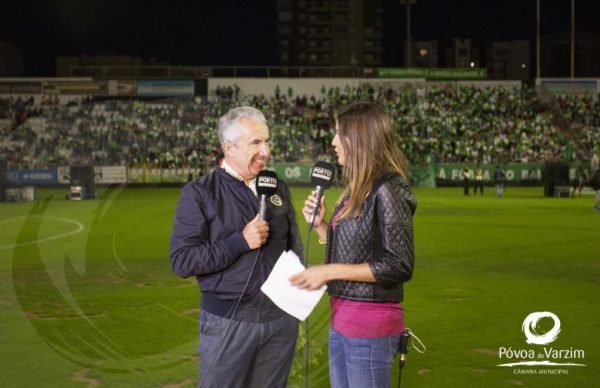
(236, 32)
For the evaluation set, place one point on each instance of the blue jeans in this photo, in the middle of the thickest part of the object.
(361, 362)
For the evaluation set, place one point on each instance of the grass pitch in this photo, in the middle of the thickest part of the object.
(87, 296)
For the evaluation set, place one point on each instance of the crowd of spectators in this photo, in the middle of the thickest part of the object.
(434, 124)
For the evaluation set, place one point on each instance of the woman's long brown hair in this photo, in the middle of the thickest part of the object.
(370, 149)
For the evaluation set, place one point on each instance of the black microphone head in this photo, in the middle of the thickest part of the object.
(266, 183)
(322, 174)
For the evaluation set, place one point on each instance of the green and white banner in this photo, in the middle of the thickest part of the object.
(432, 73)
(425, 175)
(513, 172)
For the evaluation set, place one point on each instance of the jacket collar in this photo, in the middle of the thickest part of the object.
(251, 184)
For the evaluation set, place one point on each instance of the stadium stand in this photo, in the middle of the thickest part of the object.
(436, 124)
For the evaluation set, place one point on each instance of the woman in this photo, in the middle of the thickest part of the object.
(369, 249)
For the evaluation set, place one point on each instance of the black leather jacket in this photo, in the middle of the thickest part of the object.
(382, 236)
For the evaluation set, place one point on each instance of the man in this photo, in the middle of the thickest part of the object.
(218, 237)
(595, 183)
(478, 180)
(466, 174)
(499, 177)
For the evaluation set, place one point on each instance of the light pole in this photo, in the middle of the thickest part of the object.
(537, 39)
(408, 48)
(572, 38)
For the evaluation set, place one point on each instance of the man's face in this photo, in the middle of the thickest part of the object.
(250, 154)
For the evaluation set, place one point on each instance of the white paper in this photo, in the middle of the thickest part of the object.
(291, 299)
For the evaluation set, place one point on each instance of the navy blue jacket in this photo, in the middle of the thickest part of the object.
(207, 242)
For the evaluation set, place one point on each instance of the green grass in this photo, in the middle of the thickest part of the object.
(102, 305)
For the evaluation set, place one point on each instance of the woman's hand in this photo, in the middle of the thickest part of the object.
(313, 277)
(309, 205)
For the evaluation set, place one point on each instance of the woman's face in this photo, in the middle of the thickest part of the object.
(337, 145)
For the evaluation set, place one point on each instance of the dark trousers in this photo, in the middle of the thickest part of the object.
(478, 184)
(466, 186)
(251, 354)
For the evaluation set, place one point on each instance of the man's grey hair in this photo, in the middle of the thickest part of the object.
(229, 123)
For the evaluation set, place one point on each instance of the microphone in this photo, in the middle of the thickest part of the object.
(321, 176)
(266, 185)
(403, 346)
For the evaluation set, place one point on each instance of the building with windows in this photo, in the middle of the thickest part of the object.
(11, 60)
(510, 60)
(329, 33)
(556, 55)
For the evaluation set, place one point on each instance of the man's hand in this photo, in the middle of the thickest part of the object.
(256, 233)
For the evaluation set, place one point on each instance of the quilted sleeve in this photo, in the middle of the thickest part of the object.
(393, 256)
